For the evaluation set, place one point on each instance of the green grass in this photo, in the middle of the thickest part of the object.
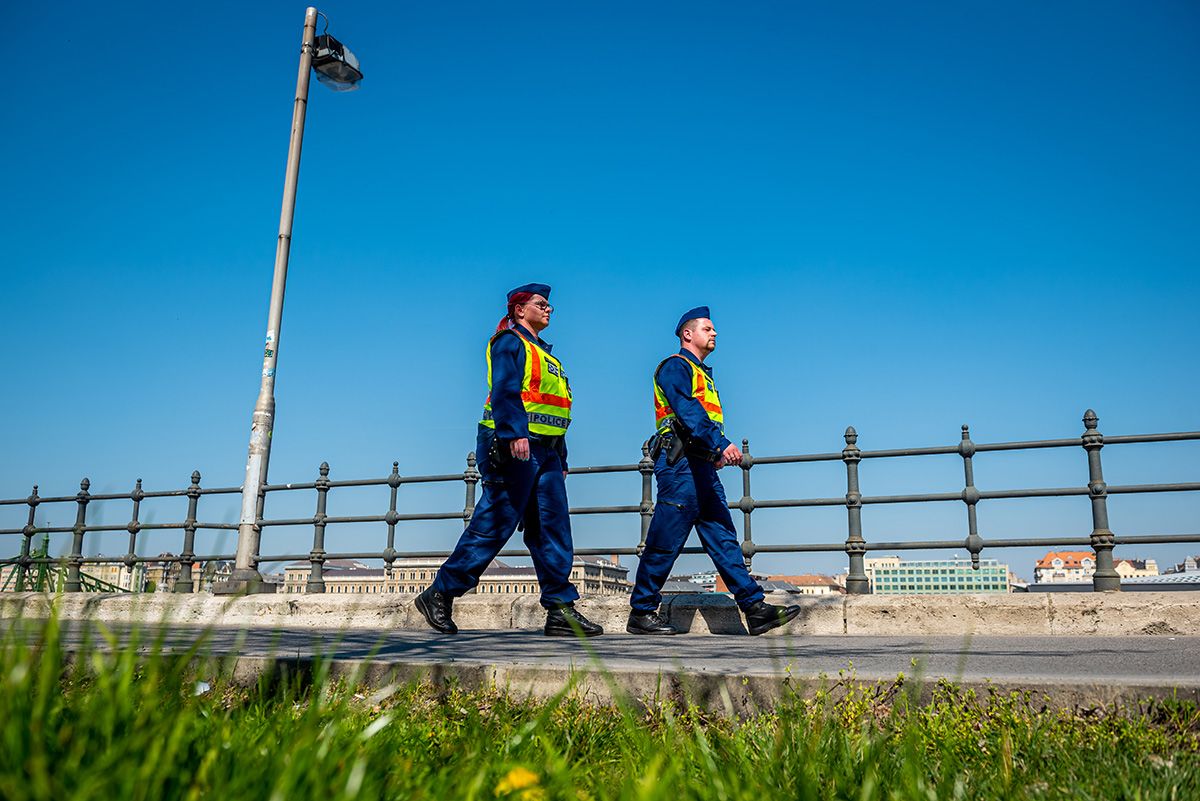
(134, 724)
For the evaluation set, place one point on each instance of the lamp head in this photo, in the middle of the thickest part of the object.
(335, 65)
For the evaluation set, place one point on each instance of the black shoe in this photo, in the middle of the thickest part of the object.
(649, 623)
(435, 606)
(762, 616)
(567, 621)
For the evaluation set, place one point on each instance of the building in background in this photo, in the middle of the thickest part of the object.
(1130, 568)
(132, 579)
(591, 575)
(1065, 567)
(162, 573)
(811, 584)
(890, 575)
(705, 579)
(1078, 567)
(1189, 565)
(677, 586)
(295, 574)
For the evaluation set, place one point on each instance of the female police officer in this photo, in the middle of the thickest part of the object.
(523, 464)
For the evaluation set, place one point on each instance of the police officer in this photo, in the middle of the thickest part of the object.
(691, 446)
(523, 466)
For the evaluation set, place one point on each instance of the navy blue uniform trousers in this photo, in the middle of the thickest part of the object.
(533, 491)
(690, 494)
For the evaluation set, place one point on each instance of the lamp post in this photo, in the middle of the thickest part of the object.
(336, 67)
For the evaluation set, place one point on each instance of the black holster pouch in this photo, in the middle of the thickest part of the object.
(676, 446)
(499, 451)
(654, 446)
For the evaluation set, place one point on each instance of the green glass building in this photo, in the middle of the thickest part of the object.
(892, 576)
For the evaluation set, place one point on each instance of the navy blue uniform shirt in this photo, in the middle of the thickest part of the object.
(675, 380)
(508, 371)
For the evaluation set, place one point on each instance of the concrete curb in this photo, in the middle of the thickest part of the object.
(1062, 614)
(733, 695)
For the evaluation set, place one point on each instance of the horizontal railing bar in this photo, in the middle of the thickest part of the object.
(1027, 445)
(56, 499)
(299, 521)
(928, 497)
(109, 560)
(605, 510)
(1177, 436)
(894, 452)
(805, 457)
(431, 516)
(183, 492)
(1041, 542)
(1131, 488)
(359, 482)
(801, 547)
(915, 546)
(430, 479)
(1051, 492)
(784, 503)
(604, 468)
(1152, 539)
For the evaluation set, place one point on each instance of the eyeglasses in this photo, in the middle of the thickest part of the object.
(541, 304)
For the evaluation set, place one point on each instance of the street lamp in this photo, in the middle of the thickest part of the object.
(338, 68)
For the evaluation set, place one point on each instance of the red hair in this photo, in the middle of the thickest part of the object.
(510, 317)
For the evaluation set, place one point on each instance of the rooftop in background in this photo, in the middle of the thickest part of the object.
(1164, 583)
(1069, 560)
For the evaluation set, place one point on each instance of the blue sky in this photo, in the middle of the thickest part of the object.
(905, 218)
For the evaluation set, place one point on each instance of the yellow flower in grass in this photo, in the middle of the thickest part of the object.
(521, 783)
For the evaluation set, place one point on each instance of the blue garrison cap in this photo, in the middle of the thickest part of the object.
(691, 314)
(532, 289)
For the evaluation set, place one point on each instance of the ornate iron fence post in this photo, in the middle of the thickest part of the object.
(75, 560)
(856, 546)
(183, 584)
(470, 479)
(1106, 578)
(746, 504)
(646, 509)
(27, 539)
(133, 527)
(316, 557)
(970, 496)
(392, 518)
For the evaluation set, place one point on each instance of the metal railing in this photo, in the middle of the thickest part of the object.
(1101, 539)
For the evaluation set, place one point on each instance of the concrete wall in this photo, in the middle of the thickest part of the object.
(1103, 614)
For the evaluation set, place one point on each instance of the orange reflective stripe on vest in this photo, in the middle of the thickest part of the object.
(703, 390)
(545, 391)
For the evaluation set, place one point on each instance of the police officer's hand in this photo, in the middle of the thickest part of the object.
(520, 449)
(731, 455)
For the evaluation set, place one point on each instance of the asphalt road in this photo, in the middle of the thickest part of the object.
(1161, 661)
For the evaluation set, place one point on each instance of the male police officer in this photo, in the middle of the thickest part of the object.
(691, 446)
(523, 464)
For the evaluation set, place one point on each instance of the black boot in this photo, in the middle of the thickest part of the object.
(762, 616)
(649, 623)
(567, 621)
(435, 606)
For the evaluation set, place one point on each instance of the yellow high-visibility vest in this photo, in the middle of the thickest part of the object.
(545, 391)
(703, 390)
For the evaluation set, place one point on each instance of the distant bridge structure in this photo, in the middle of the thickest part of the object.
(1101, 539)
